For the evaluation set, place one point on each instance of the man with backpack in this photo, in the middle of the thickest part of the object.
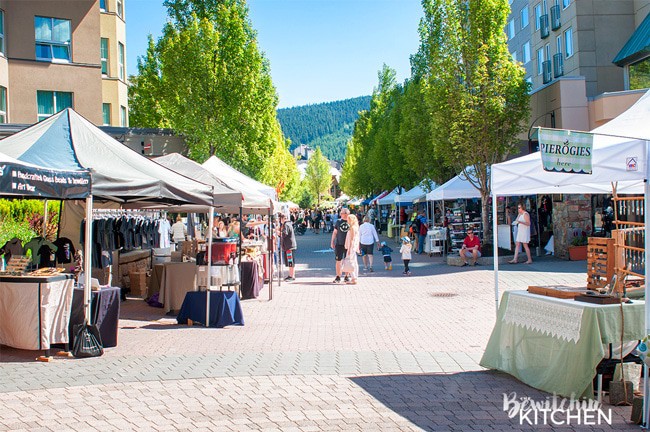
(423, 229)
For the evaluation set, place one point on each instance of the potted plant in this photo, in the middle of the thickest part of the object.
(578, 248)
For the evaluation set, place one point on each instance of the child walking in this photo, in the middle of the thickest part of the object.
(385, 251)
(405, 250)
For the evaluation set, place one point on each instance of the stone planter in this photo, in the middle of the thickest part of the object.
(578, 253)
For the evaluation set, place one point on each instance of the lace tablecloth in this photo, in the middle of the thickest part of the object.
(551, 318)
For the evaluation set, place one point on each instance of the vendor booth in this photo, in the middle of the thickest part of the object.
(67, 141)
(35, 307)
(566, 332)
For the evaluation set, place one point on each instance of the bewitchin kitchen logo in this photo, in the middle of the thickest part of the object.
(555, 411)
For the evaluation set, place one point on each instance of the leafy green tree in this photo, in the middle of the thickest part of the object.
(475, 91)
(317, 176)
(280, 171)
(207, 79)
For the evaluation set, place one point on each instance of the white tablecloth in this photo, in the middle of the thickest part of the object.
(35, 315)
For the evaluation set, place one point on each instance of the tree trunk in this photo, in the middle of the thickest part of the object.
(485, 217)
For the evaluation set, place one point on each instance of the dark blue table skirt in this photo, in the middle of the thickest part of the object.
(105, 311)
(225, 308)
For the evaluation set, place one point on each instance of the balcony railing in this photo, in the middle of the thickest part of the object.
(546, 68)
(558, 65)
(556, 23)
(543, 26)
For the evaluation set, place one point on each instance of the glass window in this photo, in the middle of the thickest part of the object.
(102, 5)
(120, 54)
(540, 61)
(525, 49)
(123, 119)
(640, 74)
(52, 39)
(3, 105)
(106, 114)
(524, 17)
(104, 55)
(568, 42)
(2, 31)
(558, 44)
(514, 56)
(51, 102)
(538, 13)
(510, 29)
(566, 3)
(120, 8)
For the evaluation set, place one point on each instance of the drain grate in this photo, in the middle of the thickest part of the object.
(443, 294)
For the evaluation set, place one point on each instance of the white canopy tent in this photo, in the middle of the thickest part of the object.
(458, 187)
(388, 199)
(614, 144)
(418, 192)
(237, 180)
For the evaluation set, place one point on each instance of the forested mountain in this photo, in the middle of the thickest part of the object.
(326, 125)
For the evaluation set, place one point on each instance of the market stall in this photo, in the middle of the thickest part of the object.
(67, 141)
(618, 154)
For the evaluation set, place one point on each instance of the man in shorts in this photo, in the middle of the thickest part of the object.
(289, 246)
(367, 238)
(341, 228)
(471, 248)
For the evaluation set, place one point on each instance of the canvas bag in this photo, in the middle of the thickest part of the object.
(346, 265)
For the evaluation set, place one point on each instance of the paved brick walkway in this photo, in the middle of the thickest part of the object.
(390, 353)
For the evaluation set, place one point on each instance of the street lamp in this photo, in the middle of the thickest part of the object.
(533, 145)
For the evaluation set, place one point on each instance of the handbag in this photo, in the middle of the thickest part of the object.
(346, 265)
(87, 341)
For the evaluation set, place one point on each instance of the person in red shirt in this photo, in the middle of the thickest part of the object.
(471, 248)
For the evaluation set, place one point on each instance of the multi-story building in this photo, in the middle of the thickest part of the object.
(569, 47)
(60, 54)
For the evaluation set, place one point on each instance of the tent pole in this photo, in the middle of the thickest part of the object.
(495, 252)
(88, 259)
(646, 205)
(270, 253)
(241, 230)
(58, 229)
(45, 220)
(209, 261)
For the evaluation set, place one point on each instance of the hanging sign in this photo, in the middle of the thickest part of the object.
(36, 182)
(566, 151)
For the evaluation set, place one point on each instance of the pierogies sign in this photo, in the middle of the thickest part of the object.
(566, 151)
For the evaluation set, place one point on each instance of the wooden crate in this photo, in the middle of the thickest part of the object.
(600, 261)
(558, 291)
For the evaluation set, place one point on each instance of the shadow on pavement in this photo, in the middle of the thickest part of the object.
(467, 401)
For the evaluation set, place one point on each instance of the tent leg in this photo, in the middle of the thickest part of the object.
(45, 219)
(270, 254)
(646, 186)
(496, 251)
(88, 258)
(209, 261)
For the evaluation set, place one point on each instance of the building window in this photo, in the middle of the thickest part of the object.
(106, 114)
(558, 45)
(51, 102)
(120, 8)
(122, 71)
(540, 61)
(525, 49)
(104, 55)
(102, 5)
(514, 56)
(524, 17)
(2, 31)
(123, 119)
(52, 39)
(510, 29)
(566, 3)
(3, 105)
(568, 42)
(538, 13)
(640, 74)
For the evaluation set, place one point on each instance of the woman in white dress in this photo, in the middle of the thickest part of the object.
(523, 234)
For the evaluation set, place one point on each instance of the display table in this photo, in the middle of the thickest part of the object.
(35, 311)
(555, 344)
(225, 308)
(176, 280)
(105, 312)
(436, 241)
(251, 280)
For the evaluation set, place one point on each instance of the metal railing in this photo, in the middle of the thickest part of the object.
(558, 65)
(556, 23)
(543, 26)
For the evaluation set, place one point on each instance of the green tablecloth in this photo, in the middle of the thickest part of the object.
(555, 345)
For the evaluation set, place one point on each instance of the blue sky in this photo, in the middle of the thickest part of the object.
(319, 50)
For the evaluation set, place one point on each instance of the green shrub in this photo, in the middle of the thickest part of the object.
(10, 228)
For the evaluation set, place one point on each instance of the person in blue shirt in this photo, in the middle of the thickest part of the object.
(386, 251)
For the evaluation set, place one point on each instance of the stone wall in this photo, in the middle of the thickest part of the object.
(574, 211)
(134, 261)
